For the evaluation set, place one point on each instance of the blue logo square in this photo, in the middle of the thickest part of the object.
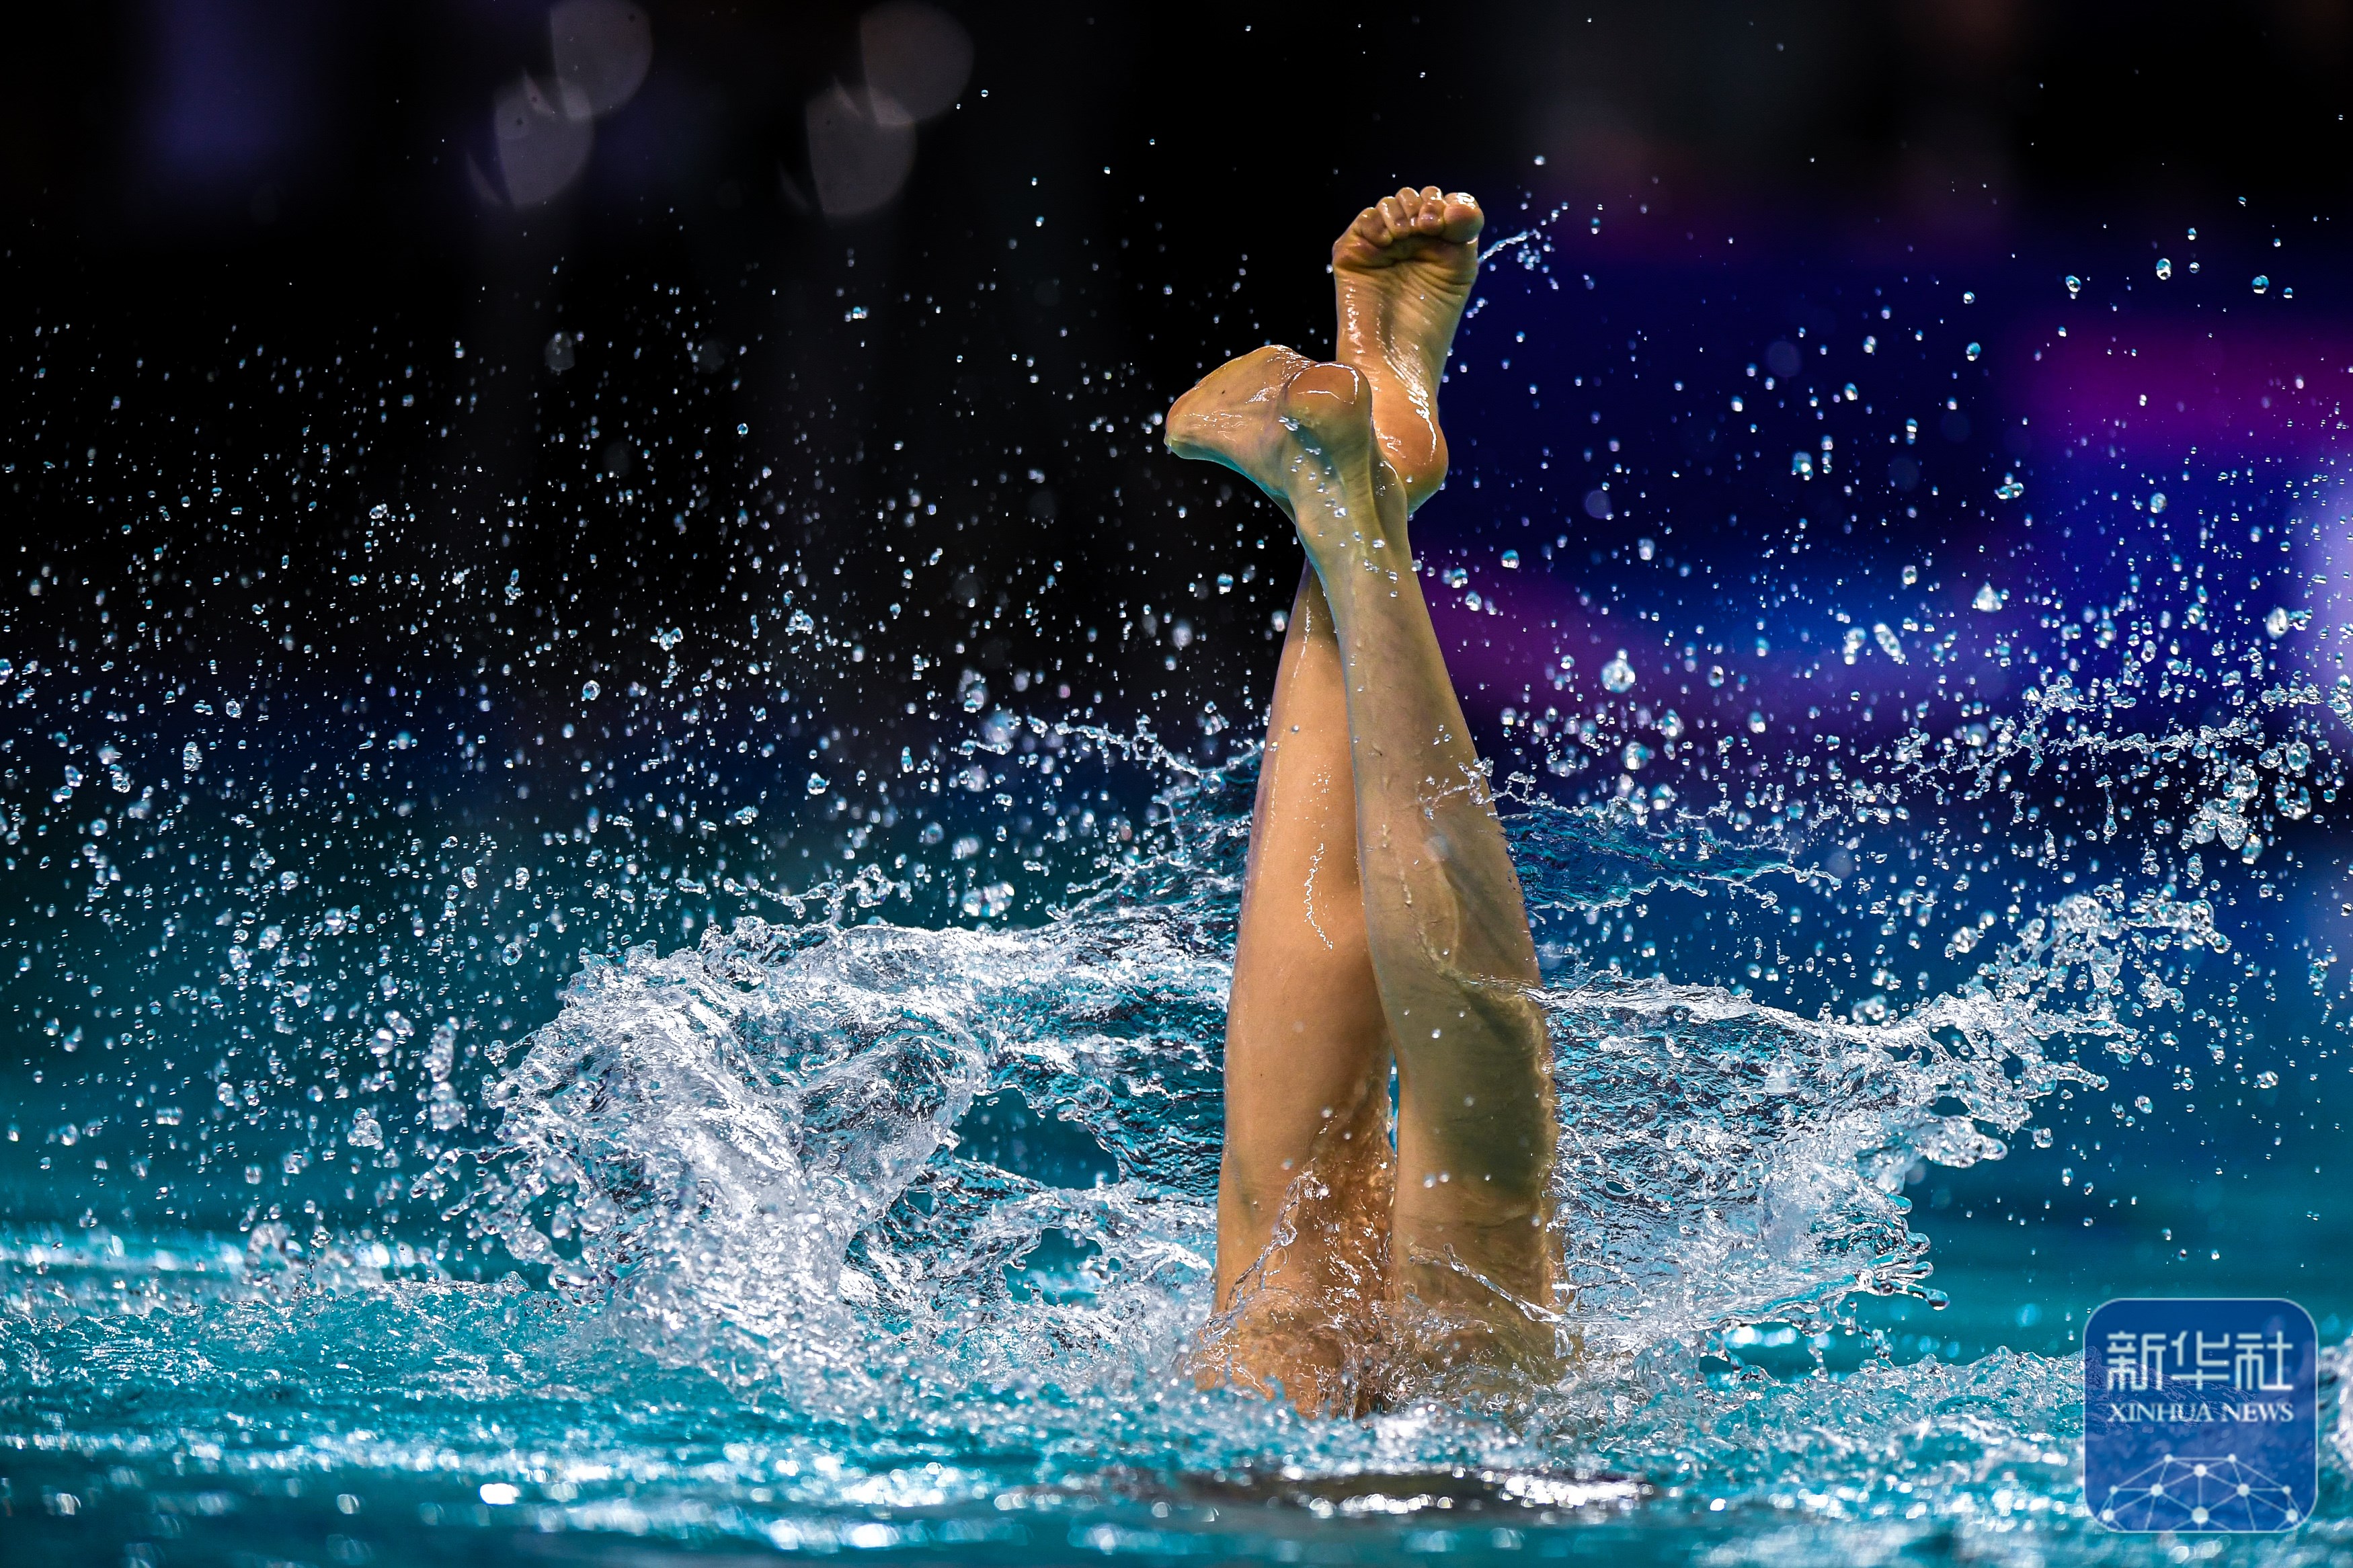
(2200, 1414)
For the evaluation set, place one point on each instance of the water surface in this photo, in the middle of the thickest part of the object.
(755, 1087)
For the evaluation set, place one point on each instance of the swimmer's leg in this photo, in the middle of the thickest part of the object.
(1445, 922)
(1450, 938)
(1307, 1058)
(1450, 929)
(1306, 1159)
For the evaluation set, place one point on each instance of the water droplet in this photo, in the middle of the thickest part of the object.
(1755, 722)
(1512, 560)
(1617, 674)
(2156, 503)
(2262, 282)
(2009, 488)
(817, 783)
(2164, 267)
(1646, 548)
(590, 691)
(1974, 350)
(2074, 286)
(191, 759)
(1987, 598)
(1803, 464)
(1911, 575)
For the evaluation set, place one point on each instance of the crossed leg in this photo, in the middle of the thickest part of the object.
(1307, 1059)
(1444, 931)
(1402, 273)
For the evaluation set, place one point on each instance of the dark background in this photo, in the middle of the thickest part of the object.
(236, 187)
(286, 381)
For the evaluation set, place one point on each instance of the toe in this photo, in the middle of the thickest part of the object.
(1393, 211)
(1362, 239)
(1463, 219)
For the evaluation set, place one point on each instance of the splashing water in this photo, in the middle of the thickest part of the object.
(856, 1224)
(855, 1190)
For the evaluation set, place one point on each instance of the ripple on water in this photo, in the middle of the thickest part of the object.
(828, 1235)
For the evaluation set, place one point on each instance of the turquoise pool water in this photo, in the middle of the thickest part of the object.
(472, 1104)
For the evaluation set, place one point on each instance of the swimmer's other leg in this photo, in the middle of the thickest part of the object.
(1241, 415)
(1307, 1061)
(1303, 1183)
(1445, 922)
(1402, 273)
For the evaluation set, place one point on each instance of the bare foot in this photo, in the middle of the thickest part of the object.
(1403, 273)
(1303, 433)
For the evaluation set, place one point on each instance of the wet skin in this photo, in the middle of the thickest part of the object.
(1382, 921)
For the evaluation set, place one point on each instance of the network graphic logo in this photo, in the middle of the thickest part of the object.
(2200, 1414)
(2182, 1493)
